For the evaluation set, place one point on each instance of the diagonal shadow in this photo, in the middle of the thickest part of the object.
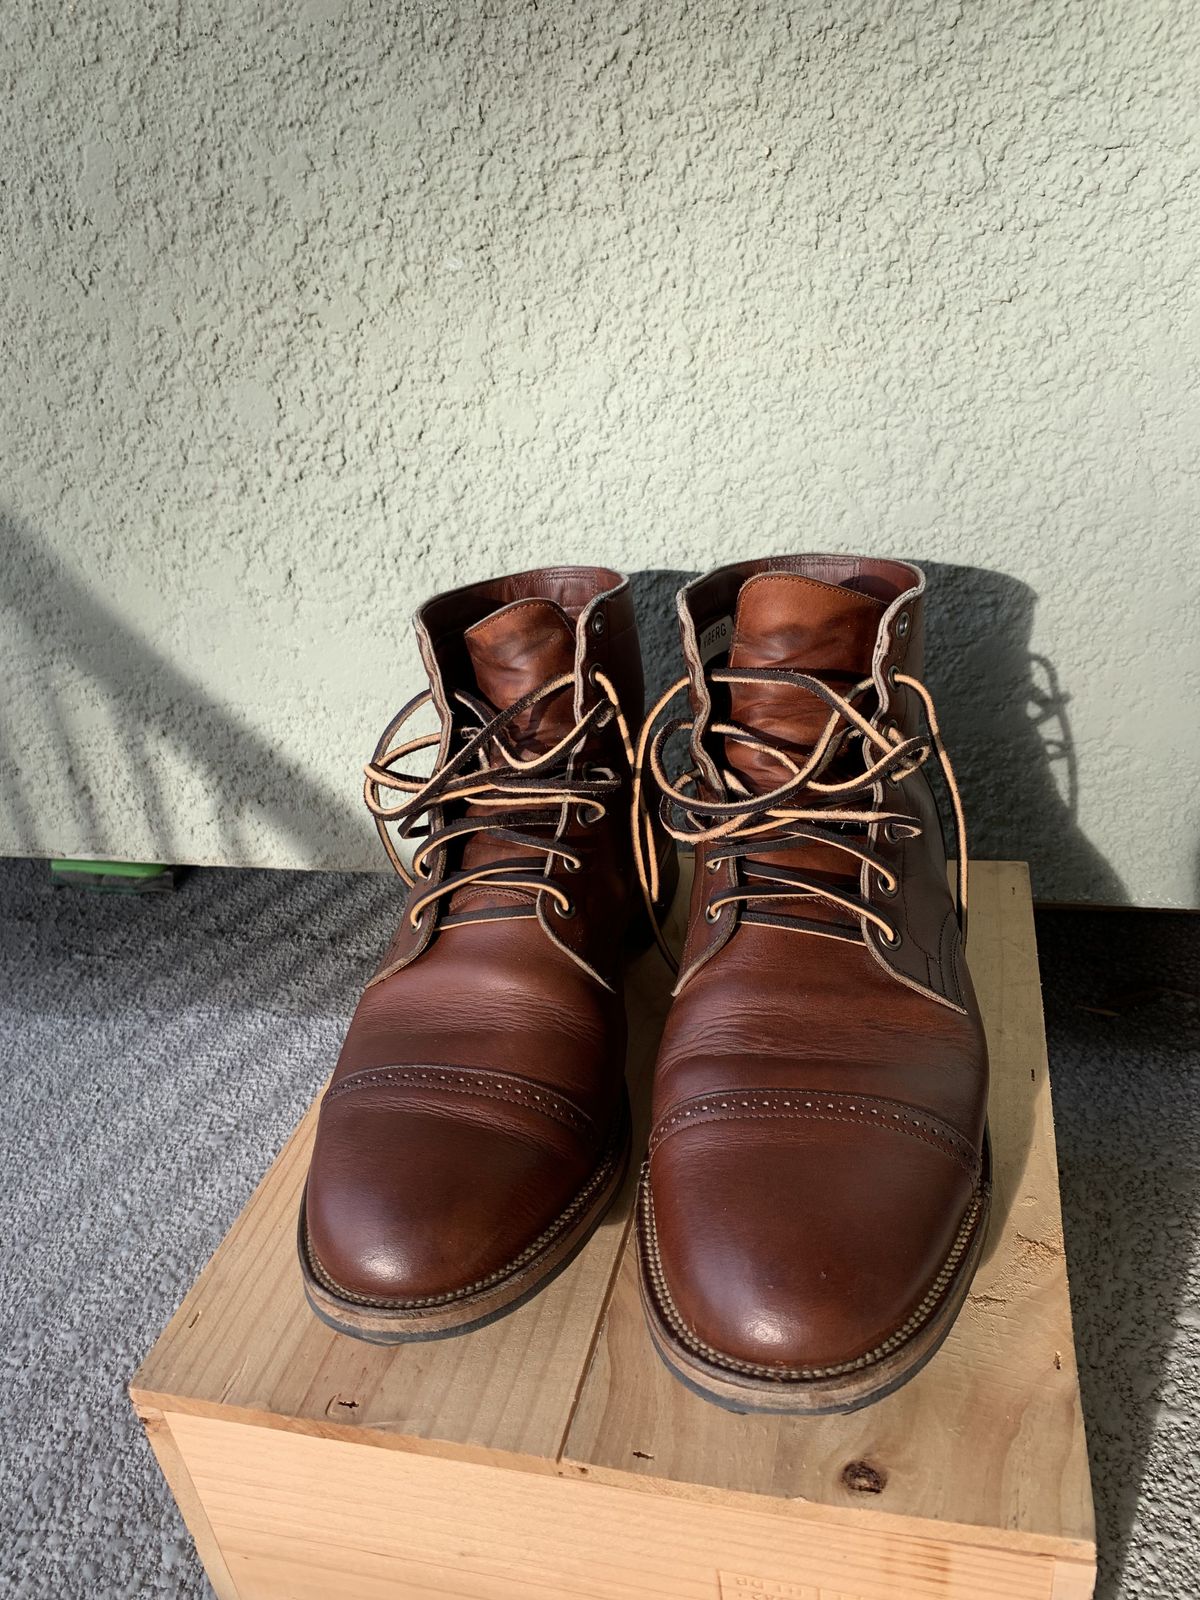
(302, 943)
(79, 644)
(51, 618)
(1122, 1007)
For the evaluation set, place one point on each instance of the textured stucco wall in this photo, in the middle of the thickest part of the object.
(311, 309)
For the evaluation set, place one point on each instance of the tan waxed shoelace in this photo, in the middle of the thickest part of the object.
(803, 809)
(514, 797)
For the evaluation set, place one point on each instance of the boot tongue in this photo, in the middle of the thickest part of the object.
(785, 620)
(518, 649)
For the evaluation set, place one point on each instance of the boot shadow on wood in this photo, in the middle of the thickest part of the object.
(118, 715)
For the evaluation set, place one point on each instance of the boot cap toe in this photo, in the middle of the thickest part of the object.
(788, 1254)
(411, 1206)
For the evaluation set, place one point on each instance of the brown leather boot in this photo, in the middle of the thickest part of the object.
(476, 1127)
(815, 1198)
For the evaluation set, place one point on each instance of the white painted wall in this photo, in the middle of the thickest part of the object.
(312, 309)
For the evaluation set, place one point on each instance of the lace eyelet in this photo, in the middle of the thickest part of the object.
(598, 624)
(903, 624)
(886, 886)
(586, 818)
(570, 865)
(715, 864)
(712, 913)
(894, 942)
(566, 912)
(892, 673)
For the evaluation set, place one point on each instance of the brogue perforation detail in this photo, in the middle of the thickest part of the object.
(830, 1106)
(470, 1081)
(910, 1327)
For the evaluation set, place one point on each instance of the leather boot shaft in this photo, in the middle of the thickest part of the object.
(476, 1125)
(846, 621)
(502, 640)
(816, 1186)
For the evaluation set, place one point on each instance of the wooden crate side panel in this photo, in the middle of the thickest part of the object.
(319, 1519)
(179, 1481)
(1074, 1580)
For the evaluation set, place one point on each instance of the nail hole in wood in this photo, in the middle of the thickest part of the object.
(863, 1478)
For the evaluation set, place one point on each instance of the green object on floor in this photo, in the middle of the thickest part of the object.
(114, 877)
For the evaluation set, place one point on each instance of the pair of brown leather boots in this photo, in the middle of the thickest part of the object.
(815, 1195)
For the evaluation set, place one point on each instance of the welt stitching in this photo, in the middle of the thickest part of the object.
(556, 1110)
(422, 1305)
(874, 1118)
(651, 1262)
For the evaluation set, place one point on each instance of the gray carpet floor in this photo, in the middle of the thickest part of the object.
(159, 1050)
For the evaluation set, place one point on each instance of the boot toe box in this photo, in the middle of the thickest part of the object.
(800, 1251)
(409, 1204)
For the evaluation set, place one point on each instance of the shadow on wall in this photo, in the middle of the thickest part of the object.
(1005, 718)
(1122, 1007)
(1002, 710)
(83, 649)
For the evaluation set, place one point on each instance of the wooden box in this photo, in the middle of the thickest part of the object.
(551, 1455)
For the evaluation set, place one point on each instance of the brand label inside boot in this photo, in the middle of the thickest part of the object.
(716, 638)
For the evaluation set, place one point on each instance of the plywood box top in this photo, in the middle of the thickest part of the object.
(988, 1440)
